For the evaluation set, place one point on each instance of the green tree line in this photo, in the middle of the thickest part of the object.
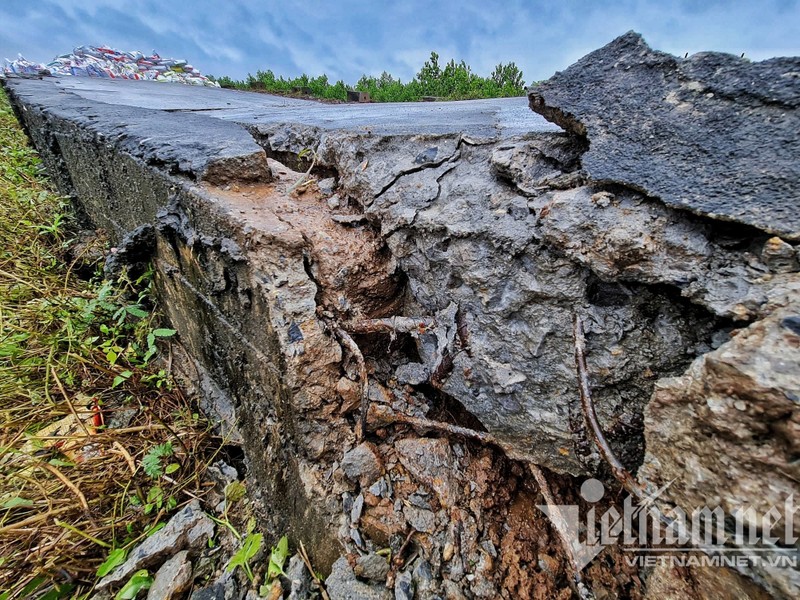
(454, 81)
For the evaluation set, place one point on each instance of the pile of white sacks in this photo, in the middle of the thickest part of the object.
(101, 61)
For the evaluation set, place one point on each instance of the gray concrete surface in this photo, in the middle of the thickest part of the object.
(501, 117)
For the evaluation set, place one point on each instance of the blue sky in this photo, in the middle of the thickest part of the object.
(348, 38)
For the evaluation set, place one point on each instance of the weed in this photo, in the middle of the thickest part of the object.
(152, 463)
(141, 580)
(249, 548)
(83, 403)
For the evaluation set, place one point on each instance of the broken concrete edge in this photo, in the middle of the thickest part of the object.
(720, 137)
(193, 145)
(193, 219)
(144, 190)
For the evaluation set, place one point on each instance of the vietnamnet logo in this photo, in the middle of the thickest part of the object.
(704, 537)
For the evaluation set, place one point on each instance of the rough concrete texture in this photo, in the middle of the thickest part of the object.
(489, 238)
(727, 432)
(712, 133)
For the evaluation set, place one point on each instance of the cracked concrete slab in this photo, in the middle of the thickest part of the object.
(487, 228)
(500, 117)
(712, 133)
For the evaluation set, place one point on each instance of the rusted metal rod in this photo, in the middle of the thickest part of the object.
(590, 415)
(384, 414)
(355, 351)
(412, 325)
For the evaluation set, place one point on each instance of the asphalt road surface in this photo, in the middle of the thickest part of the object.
(499, 117)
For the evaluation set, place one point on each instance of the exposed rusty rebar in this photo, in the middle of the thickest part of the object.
(412, 325)
(590, 415)
(385, 414)
(355, 351)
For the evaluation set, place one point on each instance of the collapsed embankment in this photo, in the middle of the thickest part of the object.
(396, 343)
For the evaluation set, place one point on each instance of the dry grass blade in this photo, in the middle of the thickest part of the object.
(65, 480)
(317, 580)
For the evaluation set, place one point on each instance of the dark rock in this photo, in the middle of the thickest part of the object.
(334, 202)
(299, 579)
(188, 529)
(422, 574)
(713, 133)
(358, 507)
(224, 588)
(342, 584)
(413, 373)
(355, 536)
(420, 519)
(404, 586)
(134, 251)
(372, 567)
(363, 464)
(380, 489)
(327, 186)
(792, 324)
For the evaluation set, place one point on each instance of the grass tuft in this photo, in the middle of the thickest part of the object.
(97, 446)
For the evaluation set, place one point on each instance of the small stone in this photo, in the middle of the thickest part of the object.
(412, 373)
(347, 502)
(419, 500)
(404, 586)
(334, 202)
(356, 537)
(275, 592)
(342, 584)
(349, 219)
(379, 489)
(222, 473)
(299, 578)
(172, 579)
(603, 199)
(779, 256)
(424, 583)
(222, 589)
(448, 552)
(489, 547)
(188, 529)
(358, 507)
(326, 186)
(792, 324)
(453, 591)
(373, 567)
(363, 464)
(420, 519)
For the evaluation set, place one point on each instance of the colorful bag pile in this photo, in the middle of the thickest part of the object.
(91, 61)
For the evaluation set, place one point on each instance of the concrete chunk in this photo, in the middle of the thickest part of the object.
(712, 133)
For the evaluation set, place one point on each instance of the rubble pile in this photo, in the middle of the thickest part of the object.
(102, 61)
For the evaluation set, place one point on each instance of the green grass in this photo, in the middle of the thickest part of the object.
(454, 81)
(97, 446)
